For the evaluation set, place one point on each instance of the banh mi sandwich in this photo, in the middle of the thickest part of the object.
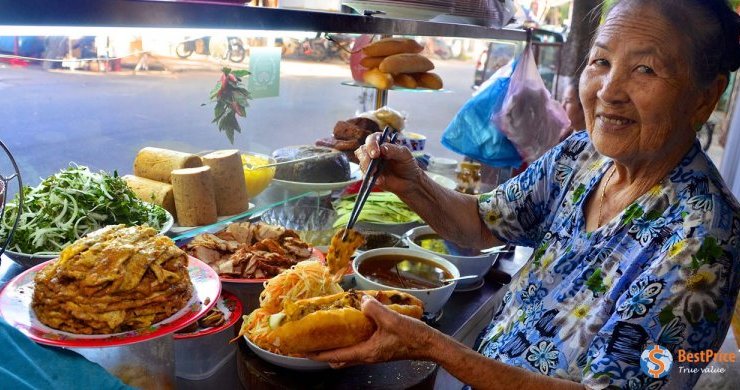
(322, 323)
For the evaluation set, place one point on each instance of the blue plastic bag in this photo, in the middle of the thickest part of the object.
(473, 134)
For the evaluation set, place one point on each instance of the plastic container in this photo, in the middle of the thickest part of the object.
(201, 354)
(199, 358)
(148, 365)
(443, 166)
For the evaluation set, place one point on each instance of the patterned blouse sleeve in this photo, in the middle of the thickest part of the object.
(516, 212)
(682, 302)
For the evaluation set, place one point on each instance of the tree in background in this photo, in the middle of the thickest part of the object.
(584, 21)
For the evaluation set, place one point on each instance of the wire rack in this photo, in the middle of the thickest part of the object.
(5, 181)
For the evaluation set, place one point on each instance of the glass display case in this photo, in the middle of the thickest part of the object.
(104, 79)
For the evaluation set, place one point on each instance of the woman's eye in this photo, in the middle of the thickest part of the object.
(600, 62)
(645, 69)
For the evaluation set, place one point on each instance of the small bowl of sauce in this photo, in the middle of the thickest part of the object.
(417, 273)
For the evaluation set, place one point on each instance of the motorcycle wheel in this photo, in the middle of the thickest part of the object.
(237, 53)
(183, 51)
(318, 52)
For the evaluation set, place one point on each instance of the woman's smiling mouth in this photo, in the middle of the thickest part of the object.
(613, 122)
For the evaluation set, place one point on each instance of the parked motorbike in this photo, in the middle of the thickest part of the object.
(340, 46)
(235, 51)
(438, 47)
(315, 48)
(187, 47)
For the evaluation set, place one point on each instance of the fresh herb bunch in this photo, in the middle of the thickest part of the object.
(70, 204)
(231, 97)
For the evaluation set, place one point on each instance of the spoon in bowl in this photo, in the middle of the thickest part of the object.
(460, 278)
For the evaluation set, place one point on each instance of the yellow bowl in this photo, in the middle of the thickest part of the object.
(257, 178)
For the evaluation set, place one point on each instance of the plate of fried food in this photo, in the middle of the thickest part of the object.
(304, 310)
(223, 315)
(251, 252)
(115, 286)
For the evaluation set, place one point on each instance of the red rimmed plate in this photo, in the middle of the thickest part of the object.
(316, 254)
(15, 308)
(232, 309)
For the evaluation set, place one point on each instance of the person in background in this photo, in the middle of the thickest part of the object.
(637, 236)
(574, 109)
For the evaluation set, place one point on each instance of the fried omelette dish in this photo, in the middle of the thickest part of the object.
(113, 280)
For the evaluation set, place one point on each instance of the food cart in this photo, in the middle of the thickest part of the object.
(462, 317)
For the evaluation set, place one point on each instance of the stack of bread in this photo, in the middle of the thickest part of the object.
(350, 134)
(194, 189)
(397, 62)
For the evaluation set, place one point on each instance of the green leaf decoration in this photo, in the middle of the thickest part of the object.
(240, 73)
(232, 99)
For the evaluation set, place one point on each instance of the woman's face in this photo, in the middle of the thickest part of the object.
(638, 98)
(573, 108)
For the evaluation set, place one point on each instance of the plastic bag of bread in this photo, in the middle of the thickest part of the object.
(530, 118)
(473, 134)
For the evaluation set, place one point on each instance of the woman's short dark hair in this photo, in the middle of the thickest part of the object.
(713, 31)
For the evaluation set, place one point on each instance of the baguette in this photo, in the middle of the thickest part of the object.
(371, 62)
(406, 63)
(405, 80)
(378, 79)
(329, 322)
(428, 80)
(390, 46)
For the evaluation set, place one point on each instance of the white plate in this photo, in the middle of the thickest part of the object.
(177, 229)
(444, 181)
(355, 175)
(402, 11)
(293, 363)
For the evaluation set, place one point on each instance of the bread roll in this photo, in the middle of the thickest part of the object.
(194, 198)
(151, 191)
(157, 164)
(378, 79)
(404, 80)
(428, 80)
(332, 321)
(405, 63)
(390, 46)
(371, 62)
(229, 185)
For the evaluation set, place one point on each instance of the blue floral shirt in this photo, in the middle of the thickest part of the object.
(587, 305)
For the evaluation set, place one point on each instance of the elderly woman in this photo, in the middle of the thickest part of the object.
(637, 238)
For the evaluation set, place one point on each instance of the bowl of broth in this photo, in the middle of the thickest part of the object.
(420, 274)
(469, 261)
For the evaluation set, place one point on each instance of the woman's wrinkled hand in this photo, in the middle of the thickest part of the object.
(397, 337)
(400, 171)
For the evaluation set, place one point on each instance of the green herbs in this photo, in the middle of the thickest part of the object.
(70, 204)
(381, 207)
(231, 98)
